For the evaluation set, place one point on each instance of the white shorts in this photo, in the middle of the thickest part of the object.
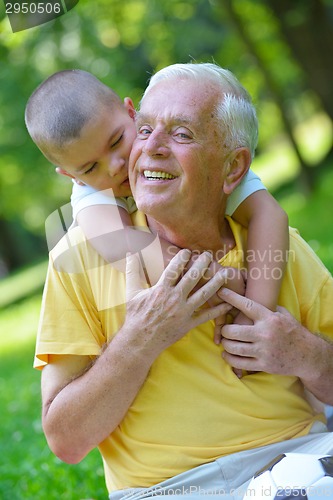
(228, 477)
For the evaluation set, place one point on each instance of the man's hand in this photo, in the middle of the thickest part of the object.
(156, 317)
(278, 343)
(275, 343)
(169, 309)
(271, 344)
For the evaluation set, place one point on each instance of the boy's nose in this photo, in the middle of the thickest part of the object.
(115, 166)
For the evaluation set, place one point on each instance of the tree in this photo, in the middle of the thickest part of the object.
(122, 43)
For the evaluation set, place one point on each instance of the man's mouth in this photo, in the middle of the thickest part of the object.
(153, 176)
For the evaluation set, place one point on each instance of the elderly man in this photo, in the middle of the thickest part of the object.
(145, 383)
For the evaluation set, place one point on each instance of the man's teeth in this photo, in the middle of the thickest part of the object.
(157, 175)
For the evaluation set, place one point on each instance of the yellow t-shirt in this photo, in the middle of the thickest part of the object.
(192, 408)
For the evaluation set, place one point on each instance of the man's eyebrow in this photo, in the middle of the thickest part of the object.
(177, 119)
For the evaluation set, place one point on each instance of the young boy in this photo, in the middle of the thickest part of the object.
(84, 128)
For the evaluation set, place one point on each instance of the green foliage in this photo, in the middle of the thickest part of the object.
(309, 214)
(28, 469)
(122, 43)
(23, 284)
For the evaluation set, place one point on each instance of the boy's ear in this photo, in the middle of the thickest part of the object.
(239, 164)
(61, 171)
(128, 103)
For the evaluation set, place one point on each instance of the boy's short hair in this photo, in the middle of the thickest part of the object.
(61, 105)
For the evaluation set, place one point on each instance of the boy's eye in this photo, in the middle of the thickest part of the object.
(91, 169)
(113, 145)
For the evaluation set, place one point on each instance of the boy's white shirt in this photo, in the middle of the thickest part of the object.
(85, 196)
(249, 185)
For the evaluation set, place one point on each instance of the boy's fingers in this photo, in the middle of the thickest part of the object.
(195, 273)
(207, 314)
(201, 296)
(133, 278)
(251, 309)
(238, 372)
(220, 321)
(175, 268)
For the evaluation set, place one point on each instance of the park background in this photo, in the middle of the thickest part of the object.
(281, 51)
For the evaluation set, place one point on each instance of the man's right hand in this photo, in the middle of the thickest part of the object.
(156, 317)
(164, 313)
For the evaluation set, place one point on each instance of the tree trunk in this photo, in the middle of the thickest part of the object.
(9, 255)
(308, 29)
(306, 175)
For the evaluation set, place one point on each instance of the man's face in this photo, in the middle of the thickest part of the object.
(100, 156)
(177, 160)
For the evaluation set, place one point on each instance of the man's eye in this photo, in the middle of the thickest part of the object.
(183, 134)
(91, 169)
(144, 131)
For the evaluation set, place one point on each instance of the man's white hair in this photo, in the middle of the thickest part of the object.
(235, 111)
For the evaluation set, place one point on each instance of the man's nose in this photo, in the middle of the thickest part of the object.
(156, 144)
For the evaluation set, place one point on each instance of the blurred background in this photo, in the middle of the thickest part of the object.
(281, 51)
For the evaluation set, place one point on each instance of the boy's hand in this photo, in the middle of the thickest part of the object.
(234, 280)
(241, 319)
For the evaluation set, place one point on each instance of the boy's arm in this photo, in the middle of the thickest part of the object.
(267, 252)
(268, 246)
(109, 230)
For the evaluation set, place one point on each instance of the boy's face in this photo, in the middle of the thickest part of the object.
(100, 156)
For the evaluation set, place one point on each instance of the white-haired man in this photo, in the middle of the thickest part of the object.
(168, 413)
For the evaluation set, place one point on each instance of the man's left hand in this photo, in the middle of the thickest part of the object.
(275, 343)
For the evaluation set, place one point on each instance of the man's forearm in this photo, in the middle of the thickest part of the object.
(90, 407)
(319, 379)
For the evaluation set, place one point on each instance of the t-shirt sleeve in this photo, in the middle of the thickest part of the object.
(69, 321)
(319, 317)
(249, 185)
(309, 282)
(85, 196)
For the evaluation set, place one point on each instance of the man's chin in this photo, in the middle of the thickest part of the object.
(154, 206)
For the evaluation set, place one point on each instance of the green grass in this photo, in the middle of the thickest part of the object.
(28, 470)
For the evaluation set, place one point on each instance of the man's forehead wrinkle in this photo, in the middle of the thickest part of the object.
(164, 117)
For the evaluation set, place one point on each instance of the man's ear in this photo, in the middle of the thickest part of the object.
(128, 103)
(61, 171)
(239, 164)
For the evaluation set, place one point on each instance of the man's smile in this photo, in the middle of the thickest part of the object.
(157, 175)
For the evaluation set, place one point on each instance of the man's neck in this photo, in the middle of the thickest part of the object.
(215, 236)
